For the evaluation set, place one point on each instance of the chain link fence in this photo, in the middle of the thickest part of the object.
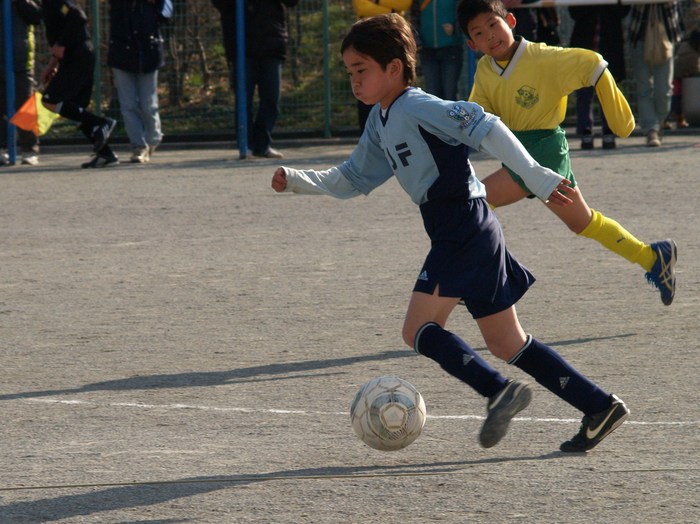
(195, 99)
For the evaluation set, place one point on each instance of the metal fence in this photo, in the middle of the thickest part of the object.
(195, 98)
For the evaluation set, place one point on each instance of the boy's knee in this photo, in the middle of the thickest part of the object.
(409, 336)
(412, 334)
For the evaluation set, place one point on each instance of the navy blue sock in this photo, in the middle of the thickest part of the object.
(458, 359)
(550, 369)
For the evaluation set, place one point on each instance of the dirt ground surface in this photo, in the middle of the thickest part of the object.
(182, 344)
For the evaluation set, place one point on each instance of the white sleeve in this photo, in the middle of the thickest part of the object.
(503, 145)
(329, 182)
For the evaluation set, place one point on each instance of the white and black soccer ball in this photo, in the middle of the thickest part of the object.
(387, 413)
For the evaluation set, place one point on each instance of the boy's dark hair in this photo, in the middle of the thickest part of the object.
(468, 10)
(384, 38)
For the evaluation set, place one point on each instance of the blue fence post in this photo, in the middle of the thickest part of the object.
(96, 39)
(472, 59)
(9, 78)
(241, 88)
(326, 72)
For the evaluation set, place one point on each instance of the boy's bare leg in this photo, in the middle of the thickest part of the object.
(502, 190)
(576, 216)
(424, 308)
(503, 334)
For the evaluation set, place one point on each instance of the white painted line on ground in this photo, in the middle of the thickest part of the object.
(343, 413)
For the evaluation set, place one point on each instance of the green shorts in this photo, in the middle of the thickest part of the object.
(550, 148)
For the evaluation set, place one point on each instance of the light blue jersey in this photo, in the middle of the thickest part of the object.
(420, 139)
(424, 142)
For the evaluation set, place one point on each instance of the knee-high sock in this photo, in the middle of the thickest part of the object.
(617, 239)
(458, 359)
(73, 111)
(550, 369)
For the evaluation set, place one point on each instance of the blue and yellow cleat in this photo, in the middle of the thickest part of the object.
(663, 274)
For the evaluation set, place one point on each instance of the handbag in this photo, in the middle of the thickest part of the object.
(658, 49)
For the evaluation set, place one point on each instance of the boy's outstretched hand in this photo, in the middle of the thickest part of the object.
(559, 197)
(279, 180)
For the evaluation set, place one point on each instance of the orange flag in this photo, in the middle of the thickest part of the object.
(33, 116)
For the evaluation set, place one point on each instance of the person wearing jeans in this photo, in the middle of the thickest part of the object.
(266, 38)
(440, 45)
(598, 28)
(654, 83)
(135, 56)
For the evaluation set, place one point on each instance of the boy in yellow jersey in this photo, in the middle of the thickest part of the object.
(527, 85)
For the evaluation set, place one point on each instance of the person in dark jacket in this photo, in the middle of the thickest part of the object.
(69, 75)
(25, 15)
(598, 28)
(266, 49)
(135, 56)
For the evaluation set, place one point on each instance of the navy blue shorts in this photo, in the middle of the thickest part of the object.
(468, 258)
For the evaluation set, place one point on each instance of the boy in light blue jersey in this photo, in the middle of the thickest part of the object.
(424, 142)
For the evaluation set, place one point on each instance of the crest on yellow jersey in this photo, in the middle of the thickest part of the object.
(527, 97)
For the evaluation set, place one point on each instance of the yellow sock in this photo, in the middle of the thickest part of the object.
(618, 240)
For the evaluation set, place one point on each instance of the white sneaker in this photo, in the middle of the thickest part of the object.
(271, 153)
(140, 156)
(4, 158)
(653, 138)
(31, 159)
(151, 150)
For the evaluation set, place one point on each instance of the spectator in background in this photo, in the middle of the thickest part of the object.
(598, 28)
(439, 42)
(69, 75)
(654, 81)
(536, 24)
(135, 54)
(686, 63)
(266, 49)
(25, 15)
(364, 9)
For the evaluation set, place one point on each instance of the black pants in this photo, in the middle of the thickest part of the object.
(73, 81)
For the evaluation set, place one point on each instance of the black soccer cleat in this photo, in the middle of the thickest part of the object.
(100, 134)
(501, 408)
(596, 427)
(100, 160)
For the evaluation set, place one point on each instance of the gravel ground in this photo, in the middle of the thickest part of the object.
(181, 344)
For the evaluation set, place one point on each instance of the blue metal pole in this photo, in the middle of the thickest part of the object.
(472, 59)
(9, 77)
(241, 89)
(96, 40)
(326, 72)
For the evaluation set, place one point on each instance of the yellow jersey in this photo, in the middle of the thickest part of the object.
(529, 92)
(367, 8)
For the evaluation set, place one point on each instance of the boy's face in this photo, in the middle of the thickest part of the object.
(370, 83)
(492, 35)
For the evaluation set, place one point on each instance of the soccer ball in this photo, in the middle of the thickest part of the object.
(387, 413)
